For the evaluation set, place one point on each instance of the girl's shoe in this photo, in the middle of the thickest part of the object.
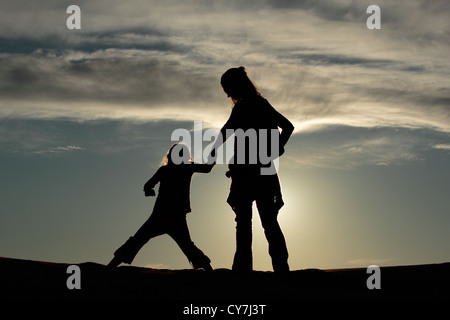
(114, 262)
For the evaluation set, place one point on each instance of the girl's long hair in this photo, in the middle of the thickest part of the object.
(183, 152)
(237, 85)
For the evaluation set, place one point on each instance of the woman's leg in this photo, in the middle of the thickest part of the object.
(243, 258)
(275, 238)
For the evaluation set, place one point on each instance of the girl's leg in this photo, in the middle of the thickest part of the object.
(126, 253)
(243, 258)
(180, 233)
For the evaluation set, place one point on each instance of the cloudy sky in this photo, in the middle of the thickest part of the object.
(86, 116)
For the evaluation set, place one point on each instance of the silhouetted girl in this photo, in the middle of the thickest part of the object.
(169, 212)
(251, 112)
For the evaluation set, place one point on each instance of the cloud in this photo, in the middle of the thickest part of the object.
(442, 146)
(343, 147)
(58, 149)
(147, 61)
(158, 266)
(368, 262)
(111, 75)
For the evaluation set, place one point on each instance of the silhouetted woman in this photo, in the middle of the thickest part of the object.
(254, 115)
(169, 212)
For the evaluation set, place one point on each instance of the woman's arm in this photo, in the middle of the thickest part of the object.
(223, 136)
(286, 127)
